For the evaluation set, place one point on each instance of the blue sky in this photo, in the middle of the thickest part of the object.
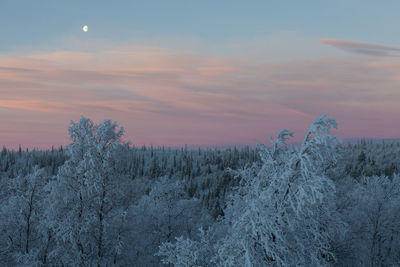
(39, 22)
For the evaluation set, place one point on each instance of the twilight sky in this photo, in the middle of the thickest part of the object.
(198, 72)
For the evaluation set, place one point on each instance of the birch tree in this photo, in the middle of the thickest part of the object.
(84, 206)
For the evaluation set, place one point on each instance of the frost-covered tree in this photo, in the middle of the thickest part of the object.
(373, 214)
(282, 214)
(188, 252)
(160, 215)
(23, 240)
(85, 205)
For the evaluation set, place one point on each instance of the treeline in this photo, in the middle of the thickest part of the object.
(21, 162)
(367, 158)
(202, 171)
(144, 161)
(201, 168)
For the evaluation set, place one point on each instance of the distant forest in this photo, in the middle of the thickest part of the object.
(103, 202)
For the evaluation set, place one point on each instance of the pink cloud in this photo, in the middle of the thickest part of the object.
(363, 48)
(173, 97)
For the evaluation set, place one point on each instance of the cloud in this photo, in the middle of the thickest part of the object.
(363, 48)
(175, 97)
(7, 69)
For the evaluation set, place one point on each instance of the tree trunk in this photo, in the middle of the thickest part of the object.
(28, 221)
(79, 243)
(101, 227)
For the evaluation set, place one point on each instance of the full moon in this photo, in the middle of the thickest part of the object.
(85, 28)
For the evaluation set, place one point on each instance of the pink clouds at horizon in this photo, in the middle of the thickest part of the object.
(172, 97)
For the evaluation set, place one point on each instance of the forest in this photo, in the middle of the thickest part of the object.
(101, 201)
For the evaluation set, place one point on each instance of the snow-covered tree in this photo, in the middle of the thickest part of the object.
(160, 215)
(21, 214)
(187, 252)
(281, 217)
(282, 214)
(85, 205)
(373, 214)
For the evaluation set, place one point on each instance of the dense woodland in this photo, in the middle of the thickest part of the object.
(103, 202)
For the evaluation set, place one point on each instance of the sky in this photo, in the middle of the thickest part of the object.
(202, 73)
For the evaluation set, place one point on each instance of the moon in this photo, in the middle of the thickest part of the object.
(85, 28)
